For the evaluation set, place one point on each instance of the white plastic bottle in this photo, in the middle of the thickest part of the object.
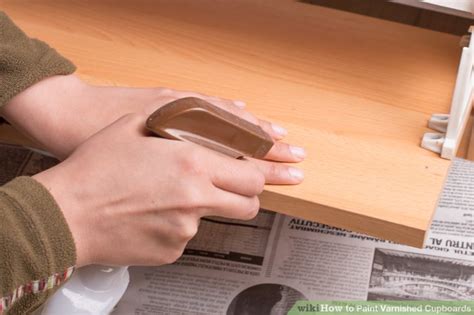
(92, 290)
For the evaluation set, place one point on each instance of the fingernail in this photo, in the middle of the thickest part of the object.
(279, 130)
(298, 152)
(240, 104)
(296, 173)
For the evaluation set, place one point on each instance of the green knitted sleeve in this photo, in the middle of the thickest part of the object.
(37, 250)
(25, 61)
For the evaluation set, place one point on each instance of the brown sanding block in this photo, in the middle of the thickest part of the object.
(195, 120)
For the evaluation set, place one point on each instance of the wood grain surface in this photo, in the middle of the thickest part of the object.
(355, 91)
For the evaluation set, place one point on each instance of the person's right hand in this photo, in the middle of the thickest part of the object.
(133, 199)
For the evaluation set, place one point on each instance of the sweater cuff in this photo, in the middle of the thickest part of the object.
(39, 243)
(25, 61)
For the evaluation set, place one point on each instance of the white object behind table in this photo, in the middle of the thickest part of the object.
(464, 8)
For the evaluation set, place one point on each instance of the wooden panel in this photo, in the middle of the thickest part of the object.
(466, 146)
(355, 91)
(470, 152)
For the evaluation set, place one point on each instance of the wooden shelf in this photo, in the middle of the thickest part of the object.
(355, 91)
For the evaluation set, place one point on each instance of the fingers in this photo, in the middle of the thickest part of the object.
(283, 152)
(236, 107)
(241, 176)
(237, 176)
(233, 206)
(232, 108)
(279, 174)
(275, 131)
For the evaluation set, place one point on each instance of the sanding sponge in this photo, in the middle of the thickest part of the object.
(195, 120)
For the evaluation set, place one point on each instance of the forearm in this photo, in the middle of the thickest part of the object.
(23, 63)
(43, 113)
(60, 112)
(37, 249)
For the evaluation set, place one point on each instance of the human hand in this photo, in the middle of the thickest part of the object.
(133, 199)
(62, 111)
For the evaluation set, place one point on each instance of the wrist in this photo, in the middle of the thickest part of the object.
(43, 112)
(60, 183)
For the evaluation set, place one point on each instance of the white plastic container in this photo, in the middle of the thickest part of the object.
(92, 290)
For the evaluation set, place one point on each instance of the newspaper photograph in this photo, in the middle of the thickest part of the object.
(398, 275)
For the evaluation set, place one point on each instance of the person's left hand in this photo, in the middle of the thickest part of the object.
(61, 112)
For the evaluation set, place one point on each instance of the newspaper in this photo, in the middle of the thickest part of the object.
(263, 266)
(18, 161)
